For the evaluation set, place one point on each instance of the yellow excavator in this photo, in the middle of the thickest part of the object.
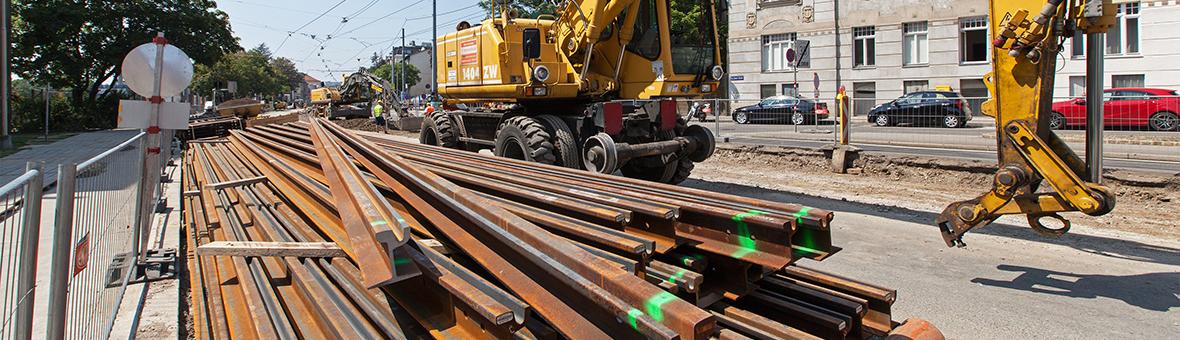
(593, 87)
(1028, 36)
(355, 96)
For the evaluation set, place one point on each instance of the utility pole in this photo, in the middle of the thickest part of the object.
(6, 77)
(433, 45)
(404, 84)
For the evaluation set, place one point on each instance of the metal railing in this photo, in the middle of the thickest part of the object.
(94, 250)
(20, 222)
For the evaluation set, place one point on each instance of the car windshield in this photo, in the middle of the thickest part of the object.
(692, 35)
(770, 101)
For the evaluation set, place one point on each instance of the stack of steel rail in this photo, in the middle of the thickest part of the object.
(444, 243)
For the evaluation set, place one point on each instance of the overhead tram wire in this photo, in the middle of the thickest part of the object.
(384, 16)
(308, 23)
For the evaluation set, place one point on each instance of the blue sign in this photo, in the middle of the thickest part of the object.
(737, 78)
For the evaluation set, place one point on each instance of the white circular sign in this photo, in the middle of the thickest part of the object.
(139, 70)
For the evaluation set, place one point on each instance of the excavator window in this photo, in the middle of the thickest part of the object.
(691, 31)
(646, 41)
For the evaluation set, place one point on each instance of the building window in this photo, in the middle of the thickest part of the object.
(1126, 80)
(774, 52)
(916, 44)
(1121, 38)
(766, 90)
(864, 97)
(1077, 86)
(916, 85)
(864, 41)
(791, 90)
(973, 39)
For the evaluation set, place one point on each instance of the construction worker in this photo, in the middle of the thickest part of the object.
(377, 118)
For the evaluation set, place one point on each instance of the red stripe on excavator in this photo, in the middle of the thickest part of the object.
(612, 114)
(667, 114)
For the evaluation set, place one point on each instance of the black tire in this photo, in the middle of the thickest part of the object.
(798, 118)
(524, 138)
(439, 130)
(1056, 121)
(565, 146)
(953, 121)
(1164, 121)
(883, 120)
(741, 117)
(683, 170)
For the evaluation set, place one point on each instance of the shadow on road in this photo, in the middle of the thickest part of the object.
(1151, 291)
(1099, 245)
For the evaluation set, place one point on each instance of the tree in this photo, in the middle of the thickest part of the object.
(79, 45)
(289, 76)
(411, 74)
(525, 8)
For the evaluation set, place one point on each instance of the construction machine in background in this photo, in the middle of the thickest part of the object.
(355, 96)
(591, 87)
(1028, 36)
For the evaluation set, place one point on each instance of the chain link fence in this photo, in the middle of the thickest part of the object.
(1141, 124)
(93, 255)
(20, 222)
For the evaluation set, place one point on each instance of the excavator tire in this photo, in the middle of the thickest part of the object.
(565, 147)
(524, 138)
(437, 129)
(674, 172)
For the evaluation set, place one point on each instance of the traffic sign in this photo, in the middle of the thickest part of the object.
(790, 55)
(139, 70)
(815, 81)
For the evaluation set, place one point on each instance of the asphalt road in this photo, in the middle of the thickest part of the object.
(962, 143)
(1008, 283)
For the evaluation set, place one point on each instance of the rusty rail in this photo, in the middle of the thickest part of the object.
(483, 247)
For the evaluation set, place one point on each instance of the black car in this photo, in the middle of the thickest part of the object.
(940, 108)
(782, 109)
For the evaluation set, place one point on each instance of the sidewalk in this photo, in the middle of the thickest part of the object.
(70, 150)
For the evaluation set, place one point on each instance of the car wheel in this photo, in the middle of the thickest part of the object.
(1056, 121)
(952, 121)
(1164, 121)
(882, 120)
(740, 117)
(798, 118)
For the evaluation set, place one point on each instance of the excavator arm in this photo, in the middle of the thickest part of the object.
(1028, 36)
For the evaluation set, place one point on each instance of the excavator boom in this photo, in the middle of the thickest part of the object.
(1028, 38)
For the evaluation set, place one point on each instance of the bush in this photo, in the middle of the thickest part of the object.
(28, 113)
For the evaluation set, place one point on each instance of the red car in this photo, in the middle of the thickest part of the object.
(1130, 107)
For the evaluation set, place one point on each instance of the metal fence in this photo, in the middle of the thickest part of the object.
(1139, 125)
(94, 246)
(20, 219)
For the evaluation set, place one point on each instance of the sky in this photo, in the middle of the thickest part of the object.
(300, 29)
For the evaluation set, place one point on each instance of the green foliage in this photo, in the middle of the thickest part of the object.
(255, 72)
(525, 8)
(409, 72)
(79, 45)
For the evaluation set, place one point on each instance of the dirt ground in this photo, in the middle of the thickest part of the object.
(1146, 203)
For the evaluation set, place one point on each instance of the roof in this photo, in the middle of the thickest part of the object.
(310, 79)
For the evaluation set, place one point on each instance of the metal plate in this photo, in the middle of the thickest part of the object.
(139, 70)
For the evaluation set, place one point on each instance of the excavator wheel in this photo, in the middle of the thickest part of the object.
(565, 147)
(675, 171)
(437, 129)
(524, 138)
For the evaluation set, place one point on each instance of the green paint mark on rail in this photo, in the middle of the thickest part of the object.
(633, 315)
(679, 274)
(378, 222)
(401, 261)
(654, 305)
(745, 241)
(799, 214)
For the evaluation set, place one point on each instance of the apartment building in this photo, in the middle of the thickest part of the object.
(882, 49)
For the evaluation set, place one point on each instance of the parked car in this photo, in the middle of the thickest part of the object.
(1127, 107)
(941, 108)
(782, 109)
